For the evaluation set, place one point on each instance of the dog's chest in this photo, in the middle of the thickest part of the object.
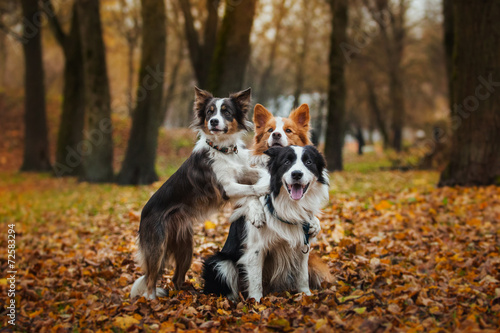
(230, 166)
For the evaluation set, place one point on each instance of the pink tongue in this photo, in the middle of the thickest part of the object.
(297, 192)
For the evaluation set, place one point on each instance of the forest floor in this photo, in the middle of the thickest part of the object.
(405, 255)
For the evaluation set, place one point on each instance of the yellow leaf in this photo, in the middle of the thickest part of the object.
(320, 323)
(474, 222)
(34, 314)
(209, 225)
(125, 322)
(223, 312)
(360, 310)
(3, 282)
(384, 204)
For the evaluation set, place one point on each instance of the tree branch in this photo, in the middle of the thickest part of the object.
(54, 23)
(191, 33)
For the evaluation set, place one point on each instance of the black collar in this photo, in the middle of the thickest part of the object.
(305, 224)
(225, 150)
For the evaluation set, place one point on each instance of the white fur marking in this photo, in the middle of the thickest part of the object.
(218, 114)
(280, 128)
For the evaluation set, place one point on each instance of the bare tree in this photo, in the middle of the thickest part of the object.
(98, 156)
(336, 86)
(126, 21)
(393, 33)
(475, 152)
(139, 164)
(201, 51)
(280, 11)
(70, 135)
(232, 52)
(36, 143)
(302, 51)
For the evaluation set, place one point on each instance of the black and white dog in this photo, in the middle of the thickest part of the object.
(216, 172)
(273, 258)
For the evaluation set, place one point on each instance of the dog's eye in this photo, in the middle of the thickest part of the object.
(288, 130)
(227, 113)
(270, 130)
(309, 162)
(287, 162)
(209, 112)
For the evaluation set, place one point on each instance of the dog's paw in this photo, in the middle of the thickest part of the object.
(314, 227)
(261, 190)
(258, 220)
(256, 215)
(256, 297)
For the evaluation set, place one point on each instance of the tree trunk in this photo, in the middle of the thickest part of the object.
(360, 139)
(201, 53)
(304, 47)
(70, 136)
(130, 78)
(398, 105)
(266, 75)
(98, 150)
(475, 152)
(336, 87)
(448, 44)
(377, 113)
(139, 164)
(36, 142)
(232, 51)
(169, 93)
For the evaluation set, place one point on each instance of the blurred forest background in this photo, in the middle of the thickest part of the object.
(103, 90)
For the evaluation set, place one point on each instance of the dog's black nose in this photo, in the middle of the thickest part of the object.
(296, 175)
(214, 122)
(276, 135)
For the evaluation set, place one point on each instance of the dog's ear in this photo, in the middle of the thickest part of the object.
(242, 99)
(301, 116)
(201, 98)
(272, 152)
(260, 116)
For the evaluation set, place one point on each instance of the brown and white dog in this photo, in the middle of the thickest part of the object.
(216, 172)
(271, 131)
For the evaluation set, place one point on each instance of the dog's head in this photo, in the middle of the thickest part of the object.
(296, 170)
(221, 116)
(273, 131)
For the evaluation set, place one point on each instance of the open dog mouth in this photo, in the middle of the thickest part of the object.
(218, 131)
(297, 191)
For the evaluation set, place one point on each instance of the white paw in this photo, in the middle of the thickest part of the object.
(306, 292)
(256, 214)
(314, 228)
(256, 297)
(261, 190)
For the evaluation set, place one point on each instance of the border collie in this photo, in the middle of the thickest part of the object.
(217, 171)
(271, 131)
(275, 257)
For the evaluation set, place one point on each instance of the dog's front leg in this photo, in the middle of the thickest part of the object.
(253, 262)
(303, 273)
(235, 191)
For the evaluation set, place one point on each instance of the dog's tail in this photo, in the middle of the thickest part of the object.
(221, 276)
(318, 272)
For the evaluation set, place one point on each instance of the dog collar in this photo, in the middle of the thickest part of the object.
(225, 150)
(305, 225)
